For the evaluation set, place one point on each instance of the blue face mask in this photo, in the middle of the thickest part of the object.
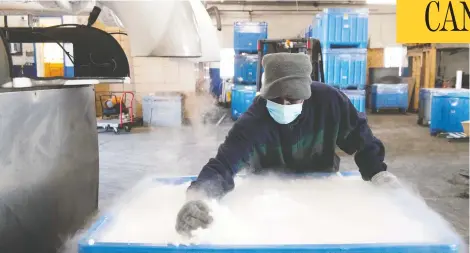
(283, 114)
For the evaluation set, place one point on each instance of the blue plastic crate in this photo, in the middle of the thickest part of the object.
(245, 67)
(247, 34)
(425, 103)
(242, 98)
(90, 242)
(342, 27)
(385, 96)
(358, 99)
(345, 68)
(448, 110)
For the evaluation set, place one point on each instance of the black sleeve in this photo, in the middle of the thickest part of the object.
(216, 177)
(355, 137)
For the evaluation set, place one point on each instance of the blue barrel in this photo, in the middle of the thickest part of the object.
(216, 82)
(448, 110)
(242, 98)
(357, 98)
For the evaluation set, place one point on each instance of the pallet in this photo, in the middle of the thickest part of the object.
(457, 137)
(453, 136)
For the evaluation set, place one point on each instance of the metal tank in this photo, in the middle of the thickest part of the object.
(49, 165)
(49, 170)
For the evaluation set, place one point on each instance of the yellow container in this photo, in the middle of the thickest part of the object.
(229, 96)
(466, 127)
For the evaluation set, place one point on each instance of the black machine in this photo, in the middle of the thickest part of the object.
(309, 46)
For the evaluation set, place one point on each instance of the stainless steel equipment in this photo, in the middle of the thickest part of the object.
(49, 166)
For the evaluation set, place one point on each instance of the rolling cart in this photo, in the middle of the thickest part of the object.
(309, 46)
(116, 114)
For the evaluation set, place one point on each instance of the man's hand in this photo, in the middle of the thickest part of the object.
(193, 215)
(385, 178)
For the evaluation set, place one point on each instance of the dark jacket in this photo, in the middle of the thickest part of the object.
(257, 142)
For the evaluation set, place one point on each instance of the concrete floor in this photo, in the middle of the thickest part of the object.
(431, 164)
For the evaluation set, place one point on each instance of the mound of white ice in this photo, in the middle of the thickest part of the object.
(279, 211)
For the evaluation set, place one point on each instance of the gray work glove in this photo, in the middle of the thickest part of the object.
(387, 179)
(193, 215)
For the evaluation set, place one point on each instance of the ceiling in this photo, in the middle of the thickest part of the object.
(299, 5)
(289, 2)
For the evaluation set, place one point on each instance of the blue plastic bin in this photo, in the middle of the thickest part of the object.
(345, 68)
(242, 98)
(386, 96)
(216, 82)
(358, 99)
(425, 103)
(247, 34)
(342, 27)
(245, 67)
(90, 242)
(448, 110)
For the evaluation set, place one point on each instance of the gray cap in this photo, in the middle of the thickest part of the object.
(286, 75)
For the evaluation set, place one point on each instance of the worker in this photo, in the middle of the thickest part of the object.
(292, 127)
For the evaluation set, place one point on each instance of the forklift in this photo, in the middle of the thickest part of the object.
(308, 46)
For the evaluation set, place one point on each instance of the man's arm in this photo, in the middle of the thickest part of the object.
(216, 177)
(355, 137)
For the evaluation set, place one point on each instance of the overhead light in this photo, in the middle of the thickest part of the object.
(383, 2)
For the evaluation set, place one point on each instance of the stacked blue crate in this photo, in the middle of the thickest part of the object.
(245, 41)
(343, 35)
(345, 68)
(242, 98)
(245, 67)
(246, 36)
(342, 27)
(358, 99)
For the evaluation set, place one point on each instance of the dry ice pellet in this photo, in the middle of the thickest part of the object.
(273, 211)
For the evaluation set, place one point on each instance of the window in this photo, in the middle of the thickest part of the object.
(395, 57)
(227, 56)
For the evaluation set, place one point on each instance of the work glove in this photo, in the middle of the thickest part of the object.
(387, 179)
(193, 215)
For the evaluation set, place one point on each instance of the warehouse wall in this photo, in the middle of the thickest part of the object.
(451, 61)
(151, 74)
(285, 24)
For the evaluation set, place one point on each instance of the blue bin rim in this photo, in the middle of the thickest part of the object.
(87, 242)
(253, 23)
(453, 94)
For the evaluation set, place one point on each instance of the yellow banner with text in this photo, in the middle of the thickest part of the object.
(433, 21)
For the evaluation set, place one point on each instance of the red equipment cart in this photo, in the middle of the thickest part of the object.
(123, 118)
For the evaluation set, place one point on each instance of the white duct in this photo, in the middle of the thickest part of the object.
(208, 34)
(109, 18)
(159, 28)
